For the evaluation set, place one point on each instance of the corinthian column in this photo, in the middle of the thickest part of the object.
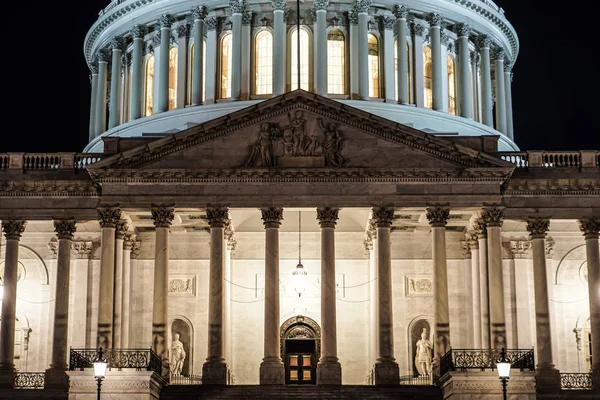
(500, 95)
(386, 367)
(475, 288)
(329, 370)
(162, 216)
(137, 70)
(437, 91)
(508, 95)
(388, 60)
(199, 13)
(320, 40)
(114, 111)
(547, 377)
(214, 370)
(162, 72)
(93, 99)
(362, 8)
(211, 62)
(271, 368)
(103, 56)
(278, 46)
(120, 230)
(486, 81)
(108, 216)
(480, 229)
(492, 215)
(183, 38)
(463, 31)
(237, 8)
(590, 228)
(13, 229)
(56, 378)
(437, 214)
(128, 242)
(401, 13)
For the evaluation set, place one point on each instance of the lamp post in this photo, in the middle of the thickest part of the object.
(503, 367)
(100, 370)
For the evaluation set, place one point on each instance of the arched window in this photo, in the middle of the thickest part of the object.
(427, 72)
(173, 78)
(373, 65)
(451, 86)
(226, 66)
(263, 64)
(191, 69)
(336, 62)
(149, 88)
(304, 62)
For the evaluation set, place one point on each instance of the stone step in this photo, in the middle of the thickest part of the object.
(300, 392)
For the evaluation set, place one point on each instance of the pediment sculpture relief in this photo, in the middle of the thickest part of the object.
(295, 145)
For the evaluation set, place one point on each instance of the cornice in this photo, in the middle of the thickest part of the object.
(49, 189)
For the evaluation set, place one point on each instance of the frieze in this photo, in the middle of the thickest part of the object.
(418, 286)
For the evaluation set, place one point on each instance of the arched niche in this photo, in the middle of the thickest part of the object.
(300, 331)
(184, 328)
(415, 328)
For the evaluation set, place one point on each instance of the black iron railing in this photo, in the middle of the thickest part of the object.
(138, 359)
(29, 380)
(575, 381)
(463, 359)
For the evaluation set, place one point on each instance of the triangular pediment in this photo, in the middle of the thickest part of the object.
(300, 130)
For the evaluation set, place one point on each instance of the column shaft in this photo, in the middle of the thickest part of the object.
(500, 95)
(107, 284)
(183, 33)
(509, 109)
(321, 53)
(402, 52)
(160, 305)
(61, 306)
(163, 69)
(496, 288)
(115, 84)
(363, 56)
(388, 60)
(197, 77)
(354, 56)
(440, 288)
(93, 99)
(126, 296)
(101, 100)
(137, 68)
(417, 32)
(465, 75)
(486, 84)
(484, 293)
(236, 56)
(118, 295)
(437, 91)
(476, 291)
(211, 62)
(542, 309)
(246, 56)
(278, 48)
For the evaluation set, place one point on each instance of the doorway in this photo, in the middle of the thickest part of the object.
(300, 350)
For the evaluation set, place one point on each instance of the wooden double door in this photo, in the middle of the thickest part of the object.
(300, 361)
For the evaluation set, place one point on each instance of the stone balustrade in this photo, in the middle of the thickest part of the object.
(47, 161)
(552, 159)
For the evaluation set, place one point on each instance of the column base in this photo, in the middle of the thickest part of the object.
(329, 373)
(214, 373)
(272, 373)
(547, 379)
(56, 379)
(7, 377)
(386, 373)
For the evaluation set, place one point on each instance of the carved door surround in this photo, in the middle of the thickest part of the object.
(296, 334)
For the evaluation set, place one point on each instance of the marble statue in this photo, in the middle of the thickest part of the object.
(177, 355)
(423, 356)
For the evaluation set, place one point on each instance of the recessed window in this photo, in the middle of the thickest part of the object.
(263, 56)
(451, 86)
(373, 44)
(336, 62)
(172, 78)
(226, 53)
(304, 57)
(427, 74)
(149, 87)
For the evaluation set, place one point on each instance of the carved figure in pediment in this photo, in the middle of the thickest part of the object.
(332, 144)
(262, 151)
(296, 131)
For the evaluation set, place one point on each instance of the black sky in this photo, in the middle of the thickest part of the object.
(46, 79)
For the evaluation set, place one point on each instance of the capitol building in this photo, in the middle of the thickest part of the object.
(300, 200)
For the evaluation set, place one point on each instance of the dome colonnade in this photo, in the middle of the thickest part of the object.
(452, 58)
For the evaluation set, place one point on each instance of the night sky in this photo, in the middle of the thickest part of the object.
(46, 80)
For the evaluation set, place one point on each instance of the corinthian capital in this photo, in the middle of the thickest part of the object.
(211, 23)
(362, 6)
(480, 228)
(117, 43)
(121, 228)
(272, 216)
(199, 12)
(103, 55)
(399, 11)
(417, 29)
(537, 227)
(217, 216)
(166, 20)
(13, 229)
(590, 226)
(463, 29)
(484, 41)
(162, 215)
(109, 216)
(327, 216)
(320, 4)
(492, 215)
(383, 216)
(438, 214)
(64, 228)
(237, 6)
(138, 31)
(183, 31)
(278, 4)
(388, 22)
(434, 19)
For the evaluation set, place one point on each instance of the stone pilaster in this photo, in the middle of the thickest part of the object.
(547, 377)
(387, 371)
(473, 241)
(93, 98)
(590, 228)
(214, 370)
(437, 215)
(272, 369)
(500, 108)
(13, 229)
(108, 216)
(162, 216)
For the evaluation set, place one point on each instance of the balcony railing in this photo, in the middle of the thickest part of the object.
(416, 380)
(463, 359)
(552, 159)
(138, 359)
(575, 381)
(185, 380)
(47, 161)
(29, 380)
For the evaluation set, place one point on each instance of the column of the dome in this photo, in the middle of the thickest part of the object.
(13, 229)
(124, 89)
(508, 95)
(183, 39)
(329, 370)
(463, 31)
(154, 49)
(444, 45)
(93, 98)
(103, 57)
(435, 20)
(271, 368)
(590, 228)
(214, 370)
(120, 231)
(476, 108)
(278, 46)
(165, 22)
(437, 215)
(386, 368)
(108, 217)
(162, 216)
(500, 94)
(493, 215)
(353, 22)
(237, 8)
(402, 79)
(117, 45)
(137, 68)
(199, 13)
(547, 377)
(246, 57)
(486, 81)
(362, 7)
(388, 58)
(56, 378)
(211, 60)
(128, 242)
(417, 32)
(320, 49)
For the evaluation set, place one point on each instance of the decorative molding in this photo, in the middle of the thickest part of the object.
(480, 228)
(434, 19)
(53, 247)
(183, 31)
(165, 21)
(589, 226)
(549, 248)
(199, 12)
(217, 216)
(465, 247)
(121, 228)
(135, 249)
(388, 22)
(492, 215)
(117, 43)
(463, 29)
(182, 285)
(400, 11)
(138, 31)
(128, 240)
(362, 6)
(418, 285)
(519, 249)
(279, 5)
